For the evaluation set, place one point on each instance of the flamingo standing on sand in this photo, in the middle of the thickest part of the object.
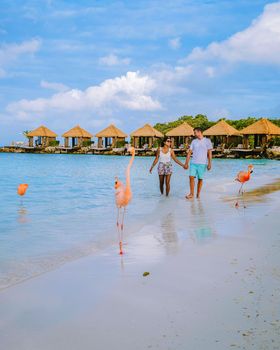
(242, 177)
(123, 197)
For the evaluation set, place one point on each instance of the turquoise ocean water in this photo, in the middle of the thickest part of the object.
(69, 209)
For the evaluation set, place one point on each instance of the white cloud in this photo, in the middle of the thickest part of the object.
(77, 12)
(11, 52)
(210, 71)
(175, 43)
(220, 113)
(131, 91)
(2, 73)
(67, 45)
(259, 43)
(53, 86)
(114, 60)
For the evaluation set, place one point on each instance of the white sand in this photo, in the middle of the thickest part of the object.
(214, 283)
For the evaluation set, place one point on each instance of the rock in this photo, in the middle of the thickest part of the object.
(49, 150)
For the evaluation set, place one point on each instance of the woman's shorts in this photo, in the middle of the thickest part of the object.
(165, 168)
(198, 170)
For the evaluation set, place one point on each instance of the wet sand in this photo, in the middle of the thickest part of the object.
(258, 194)
(214, 283)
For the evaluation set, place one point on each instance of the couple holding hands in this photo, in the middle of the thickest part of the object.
(201, 152)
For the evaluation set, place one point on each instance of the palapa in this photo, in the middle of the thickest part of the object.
(146, 131)
(42, 131)
(222, 128)
(261, 127)
(183, 129)
(111, 131)
(78, 132)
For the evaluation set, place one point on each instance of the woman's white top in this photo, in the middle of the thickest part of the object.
(165, 157)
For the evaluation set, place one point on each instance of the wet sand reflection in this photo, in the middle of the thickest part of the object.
(169, 233)
(201, 228)
(22, 215)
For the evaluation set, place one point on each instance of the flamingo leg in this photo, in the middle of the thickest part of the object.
(118, 218)
(120, 227)
(242, 197)
(121, 231)
(240, 189)
(122, 218)
(239, 193)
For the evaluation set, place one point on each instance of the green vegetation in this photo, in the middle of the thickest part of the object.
(201, 120)
(275, 141)
(86, 143)
(54, 143)
(157, 143)
(120, 144)
(25, 133)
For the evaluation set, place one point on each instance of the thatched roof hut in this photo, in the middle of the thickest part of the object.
(263, 130)
(146, 131)
(145, 135)
(44, 135)
(77, 131)
(79, 136)
(42, 131)
(223, 134)
(222, 128)
(111, 135)
(181, 135)
(111, 131)
(261, 127)
(183, 129)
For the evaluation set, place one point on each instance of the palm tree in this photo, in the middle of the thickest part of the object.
(25, 133)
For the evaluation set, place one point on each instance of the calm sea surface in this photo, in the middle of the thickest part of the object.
(69, 209)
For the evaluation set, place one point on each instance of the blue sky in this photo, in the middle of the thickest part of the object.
(130, 62)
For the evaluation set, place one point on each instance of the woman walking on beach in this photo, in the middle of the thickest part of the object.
(163, 156)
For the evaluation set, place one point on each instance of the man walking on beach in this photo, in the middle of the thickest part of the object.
(201, 150)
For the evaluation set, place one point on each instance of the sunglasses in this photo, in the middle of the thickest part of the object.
(168, 141)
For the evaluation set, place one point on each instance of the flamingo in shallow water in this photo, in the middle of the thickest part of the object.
(22, 188)
(123, 197)
(242, 177)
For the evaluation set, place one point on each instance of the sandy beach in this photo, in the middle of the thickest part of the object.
(139, 175)
(211, 286)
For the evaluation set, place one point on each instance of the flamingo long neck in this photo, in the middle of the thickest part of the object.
(127, 180)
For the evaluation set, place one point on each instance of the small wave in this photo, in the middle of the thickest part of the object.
(258, 194)
(18, 272)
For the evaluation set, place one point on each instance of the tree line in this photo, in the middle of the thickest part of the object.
(201, 120)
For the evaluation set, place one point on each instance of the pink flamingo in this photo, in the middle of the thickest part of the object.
(22, 188)
(242, 177)
(123, 197)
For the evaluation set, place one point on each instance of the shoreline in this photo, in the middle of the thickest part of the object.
(226, 154)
